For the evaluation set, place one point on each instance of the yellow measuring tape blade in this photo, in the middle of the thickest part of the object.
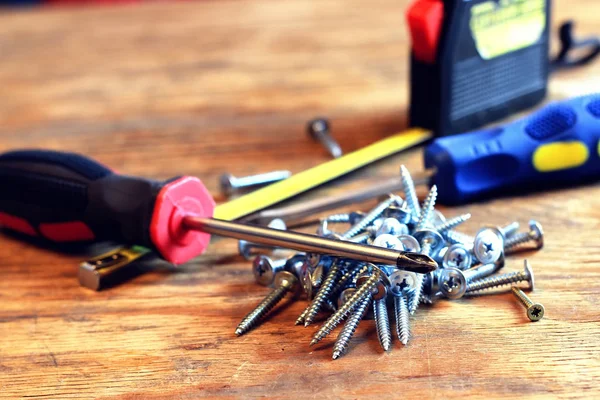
(319, 175)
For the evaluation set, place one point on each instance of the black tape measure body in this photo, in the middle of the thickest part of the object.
(491, 60)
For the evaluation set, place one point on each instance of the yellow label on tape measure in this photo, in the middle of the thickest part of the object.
(319, 175)
(560, 155)
(501, 27)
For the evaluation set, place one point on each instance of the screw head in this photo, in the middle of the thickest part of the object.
(227, 184)
(264, 270)
(457, 256)
(488, 246)
(277, 223)
(388, 241)
(402, 282)
(286, 279)
(537, 233)
(535, 312)
(410, 243)
(453, 283)
(316, 126)
(430, 236)
(529, 273)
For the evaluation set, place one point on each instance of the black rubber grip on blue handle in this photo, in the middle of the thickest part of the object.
(49, 187)
(499, 161)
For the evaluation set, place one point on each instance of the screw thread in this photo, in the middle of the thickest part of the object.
(323, 294)
(300, 319)
(455, 237)
(516, 240)
(329, 143)
(415, 296)
(368, 219)
(453, 222)
(425, 299)
(343, 340)
(382, 321)
(342, 312)
(498, 280)
(523, 298)
(427, 210)
(316, 278)
(402, 321)
(349, 277)
(262, 309)
(410, 193)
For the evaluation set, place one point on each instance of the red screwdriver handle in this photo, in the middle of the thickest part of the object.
(66, 197)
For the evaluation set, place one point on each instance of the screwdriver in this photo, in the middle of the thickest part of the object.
(66, 197)
(556, 145)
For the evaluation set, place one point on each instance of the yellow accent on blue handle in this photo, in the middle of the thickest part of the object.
(319, 175)
(560, 155)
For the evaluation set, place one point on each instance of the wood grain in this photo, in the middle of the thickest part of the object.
(202, 88)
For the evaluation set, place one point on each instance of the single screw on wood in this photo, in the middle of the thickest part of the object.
(427, 209)
(504, 279)
(284, 282)
(452, 223)
(410, 192)
(535, 311)
(318, 129)
(382, 322)
(231, 184)
(535, 235)
(402, 321)
(334, 320)
(345, 336)
(322, 295)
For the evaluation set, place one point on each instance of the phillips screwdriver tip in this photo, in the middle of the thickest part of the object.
(416, 262)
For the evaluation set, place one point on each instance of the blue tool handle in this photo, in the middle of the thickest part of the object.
(556, 146)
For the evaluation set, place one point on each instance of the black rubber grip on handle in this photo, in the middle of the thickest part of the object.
(69, 197)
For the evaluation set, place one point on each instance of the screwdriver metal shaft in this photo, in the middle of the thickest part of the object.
(414, 262)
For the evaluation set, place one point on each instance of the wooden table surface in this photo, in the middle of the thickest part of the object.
(203, 88)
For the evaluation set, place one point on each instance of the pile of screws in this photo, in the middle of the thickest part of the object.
(353, 291)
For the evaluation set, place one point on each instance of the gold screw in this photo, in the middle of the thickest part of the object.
(535, 311)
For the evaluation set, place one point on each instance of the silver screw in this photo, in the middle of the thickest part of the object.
(343, 340)
(504, 279)
(452, 223)
(427, 209)
(535, 311)
(349, 278)
(322, 295)
(392, 226)
(382, 321)
(488, 246)
(369, 218)
(410, 192)
(535, 234)
(364, 290)
(318, 129)
(231, 184)
(284, 283)
(402, 321)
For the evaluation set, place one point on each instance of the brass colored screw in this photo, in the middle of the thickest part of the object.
(284, 283)
(535, 311)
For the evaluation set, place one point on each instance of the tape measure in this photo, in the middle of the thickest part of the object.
(474, 62)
